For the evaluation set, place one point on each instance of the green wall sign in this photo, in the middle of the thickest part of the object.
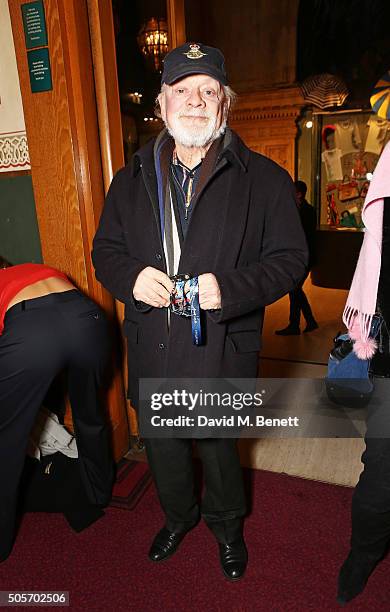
(39, 69)
(34, 24)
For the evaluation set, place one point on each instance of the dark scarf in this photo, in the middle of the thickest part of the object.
(170, 232)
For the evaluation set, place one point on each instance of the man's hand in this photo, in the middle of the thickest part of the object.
(209, 292)
(153, 287)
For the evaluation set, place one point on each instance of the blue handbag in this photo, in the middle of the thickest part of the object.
(349, 382)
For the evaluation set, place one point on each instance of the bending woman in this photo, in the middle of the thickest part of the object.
(46, 326)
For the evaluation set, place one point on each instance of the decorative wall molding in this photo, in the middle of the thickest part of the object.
(260, 114)
(267, 122)
(14, 153)
(276, 103)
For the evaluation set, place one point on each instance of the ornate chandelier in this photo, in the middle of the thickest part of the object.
(153, 41)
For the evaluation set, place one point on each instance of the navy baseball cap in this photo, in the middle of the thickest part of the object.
(193, 58)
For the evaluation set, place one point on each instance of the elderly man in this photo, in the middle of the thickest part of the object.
(197, 201)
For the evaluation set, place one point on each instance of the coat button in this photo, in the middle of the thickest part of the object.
(158, 256)
(161, 346)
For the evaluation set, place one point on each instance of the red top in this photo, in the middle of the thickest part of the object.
(16, 278)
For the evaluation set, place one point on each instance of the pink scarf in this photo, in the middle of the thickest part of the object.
(362, 297)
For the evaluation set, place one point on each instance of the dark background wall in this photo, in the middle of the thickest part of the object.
(267, 43)
(19, 234)
(349, 38)
(258, 38)
(133, 71)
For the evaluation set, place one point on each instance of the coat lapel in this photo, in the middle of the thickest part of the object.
(220, 214)
(161, 147)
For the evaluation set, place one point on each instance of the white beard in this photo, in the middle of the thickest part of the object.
(195, 136)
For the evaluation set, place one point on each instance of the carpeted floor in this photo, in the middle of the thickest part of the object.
(297, 535)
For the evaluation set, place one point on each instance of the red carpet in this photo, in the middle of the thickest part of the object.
(132, 481)
(297, 535)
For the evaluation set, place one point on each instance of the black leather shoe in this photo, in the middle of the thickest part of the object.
(354, 574)
(234, 559)
(7, 534)
(165, 544)
(311, 326)
(5, 553)
(290, 330)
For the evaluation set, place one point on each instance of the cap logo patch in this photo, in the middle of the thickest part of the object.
(194, 52)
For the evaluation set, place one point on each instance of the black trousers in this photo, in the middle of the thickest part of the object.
(371, 500)
(223, 504)
(41, 337)
(299, 303)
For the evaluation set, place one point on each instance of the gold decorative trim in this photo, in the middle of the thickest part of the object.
(283, 103)
(14, 153)
(259, 114)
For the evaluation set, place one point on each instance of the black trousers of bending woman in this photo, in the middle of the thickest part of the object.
(42, 337)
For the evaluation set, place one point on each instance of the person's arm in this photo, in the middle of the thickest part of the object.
(115, 267)
(282, 263)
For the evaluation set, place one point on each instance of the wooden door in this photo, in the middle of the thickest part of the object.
(69, 176)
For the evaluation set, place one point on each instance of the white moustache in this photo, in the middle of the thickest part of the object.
(201, 115)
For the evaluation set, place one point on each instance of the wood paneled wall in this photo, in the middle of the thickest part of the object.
(266, 121)
(63, 138)
(109, 120)
(257, 37)
(258, 40)
(176, 23)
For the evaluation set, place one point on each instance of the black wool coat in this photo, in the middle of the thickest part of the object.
(245, 229)
(380, 364)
